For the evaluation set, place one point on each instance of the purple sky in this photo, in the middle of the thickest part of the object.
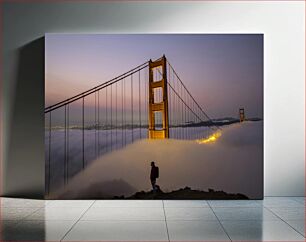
(222, 71)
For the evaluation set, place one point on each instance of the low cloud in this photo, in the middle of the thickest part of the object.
(233, 163)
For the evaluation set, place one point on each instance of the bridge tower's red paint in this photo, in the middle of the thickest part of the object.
(160, 106)
(241, 114)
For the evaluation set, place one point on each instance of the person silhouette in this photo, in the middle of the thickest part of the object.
(154, 175)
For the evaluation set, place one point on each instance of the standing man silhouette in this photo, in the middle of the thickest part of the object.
(154, 175)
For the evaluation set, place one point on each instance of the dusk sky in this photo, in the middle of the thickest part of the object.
(222, 71)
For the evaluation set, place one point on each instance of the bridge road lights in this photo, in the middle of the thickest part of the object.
(161, 106)
(241, 114)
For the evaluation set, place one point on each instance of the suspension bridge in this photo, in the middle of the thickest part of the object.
(148, 102)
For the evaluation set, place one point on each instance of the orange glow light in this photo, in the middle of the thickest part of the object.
(210, 139)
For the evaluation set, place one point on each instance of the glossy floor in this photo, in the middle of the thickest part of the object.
(273, 219)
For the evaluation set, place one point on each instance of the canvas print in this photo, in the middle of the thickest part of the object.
(153, 116)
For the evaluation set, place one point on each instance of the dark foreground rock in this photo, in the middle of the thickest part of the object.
(185, 193)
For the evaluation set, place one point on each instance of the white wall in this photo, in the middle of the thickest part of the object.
(283, 25)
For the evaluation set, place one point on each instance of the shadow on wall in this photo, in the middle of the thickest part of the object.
(30, 230)
(25, 155)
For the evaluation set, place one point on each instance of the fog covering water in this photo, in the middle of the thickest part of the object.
(97, 143)
(233, 163)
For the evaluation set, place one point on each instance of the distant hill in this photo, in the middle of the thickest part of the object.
(220, 122)
(208, 123)
(186, 193)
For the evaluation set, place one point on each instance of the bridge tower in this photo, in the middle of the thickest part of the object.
(162, 106)
(241, 114)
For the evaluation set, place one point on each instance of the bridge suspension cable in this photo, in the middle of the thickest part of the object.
(193, 99)
(96, 88)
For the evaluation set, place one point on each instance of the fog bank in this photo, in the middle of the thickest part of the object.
(233, 163)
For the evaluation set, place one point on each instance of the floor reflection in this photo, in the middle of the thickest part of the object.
(273, 219)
